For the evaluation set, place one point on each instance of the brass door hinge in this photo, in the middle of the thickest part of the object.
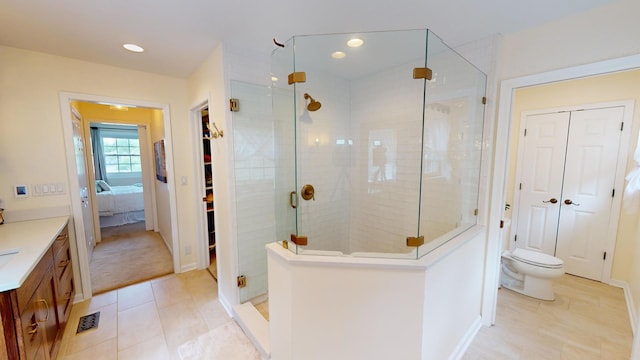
(234, 105)
(484, 100)
(475, 212)
(299, 239)
(415, 241)
(297, 77)
(242, 281)
(422, 73)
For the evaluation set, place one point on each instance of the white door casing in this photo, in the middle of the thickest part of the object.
(587, 194)
(572, 223)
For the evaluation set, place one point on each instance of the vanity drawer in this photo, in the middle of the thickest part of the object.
(28, 288)
(66, 293)
(61, 240)
(62, 260)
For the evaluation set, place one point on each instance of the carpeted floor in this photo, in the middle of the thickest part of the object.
(128, 255)
(226, 342)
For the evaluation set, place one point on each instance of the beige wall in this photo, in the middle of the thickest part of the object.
(605, 32)
(208, 84)
(32, 148)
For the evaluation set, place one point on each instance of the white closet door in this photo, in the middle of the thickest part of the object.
(592, 153)
(541, 181)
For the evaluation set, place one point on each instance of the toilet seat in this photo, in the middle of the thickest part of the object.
(537, 258)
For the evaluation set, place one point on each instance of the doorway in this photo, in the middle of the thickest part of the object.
(502, 171)
(160, 193)
(565, 184)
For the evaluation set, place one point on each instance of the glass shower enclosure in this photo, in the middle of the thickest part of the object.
(377, 143)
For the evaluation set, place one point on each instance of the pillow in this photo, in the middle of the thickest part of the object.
(103, 185)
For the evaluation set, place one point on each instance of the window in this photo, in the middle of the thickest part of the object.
(121, 154)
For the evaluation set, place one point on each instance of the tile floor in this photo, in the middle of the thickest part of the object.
(588, 320)
(146, 321)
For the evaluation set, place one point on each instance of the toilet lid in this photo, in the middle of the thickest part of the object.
(535, 257)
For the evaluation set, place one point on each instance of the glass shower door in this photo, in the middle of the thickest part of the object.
(254, 181)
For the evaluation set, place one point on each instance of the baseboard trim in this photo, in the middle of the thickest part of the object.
(225, 303)
(188, 267)
(466, 340)
(629, 299)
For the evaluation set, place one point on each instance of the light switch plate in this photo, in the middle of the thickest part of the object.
(21, 191)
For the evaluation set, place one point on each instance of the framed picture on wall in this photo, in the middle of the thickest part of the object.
(161, 165)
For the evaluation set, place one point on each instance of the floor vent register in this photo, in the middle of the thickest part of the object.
(88, 322)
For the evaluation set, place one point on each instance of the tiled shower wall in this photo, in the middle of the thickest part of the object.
(324, 161)
(386, 116)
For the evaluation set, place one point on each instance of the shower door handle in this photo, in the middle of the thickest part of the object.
(292, 196)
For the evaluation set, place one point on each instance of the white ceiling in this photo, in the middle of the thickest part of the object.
(179, 34)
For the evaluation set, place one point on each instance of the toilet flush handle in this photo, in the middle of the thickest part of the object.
(552, 200)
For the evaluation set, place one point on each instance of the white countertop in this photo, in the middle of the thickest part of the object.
(32, 238)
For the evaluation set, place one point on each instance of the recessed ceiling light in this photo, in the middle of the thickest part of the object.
(338, 55)
(133, 47)
(355, 42)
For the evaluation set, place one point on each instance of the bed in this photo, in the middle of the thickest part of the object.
(119, 205)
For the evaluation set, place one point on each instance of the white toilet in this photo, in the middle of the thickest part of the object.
(530, 272)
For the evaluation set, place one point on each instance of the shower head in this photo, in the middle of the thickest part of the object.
(313, 104)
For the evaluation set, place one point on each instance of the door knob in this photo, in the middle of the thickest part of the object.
(552, 200)
(569, 202)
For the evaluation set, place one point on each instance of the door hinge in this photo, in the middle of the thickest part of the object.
(242, 281)
(605, 256)
(621, 126)
(520, 186)
(525, 132)
(475, 212)
(515, 238)
(613, 193)
(484, 100)
(234, 105)
(501, 224)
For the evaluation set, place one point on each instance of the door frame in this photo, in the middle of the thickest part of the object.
(202, 242)
(501, 161)
(621, 168)
(80, 245)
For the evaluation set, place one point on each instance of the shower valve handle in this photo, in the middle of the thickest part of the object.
(308, 192)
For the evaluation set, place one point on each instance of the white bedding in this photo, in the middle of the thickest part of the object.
(120, 199)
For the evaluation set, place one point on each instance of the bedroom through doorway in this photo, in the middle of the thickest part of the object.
(120, 162)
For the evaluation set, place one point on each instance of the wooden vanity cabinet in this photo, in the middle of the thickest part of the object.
(63, 277)
(35, 314)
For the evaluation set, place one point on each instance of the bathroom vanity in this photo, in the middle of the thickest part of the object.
(36, 287)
